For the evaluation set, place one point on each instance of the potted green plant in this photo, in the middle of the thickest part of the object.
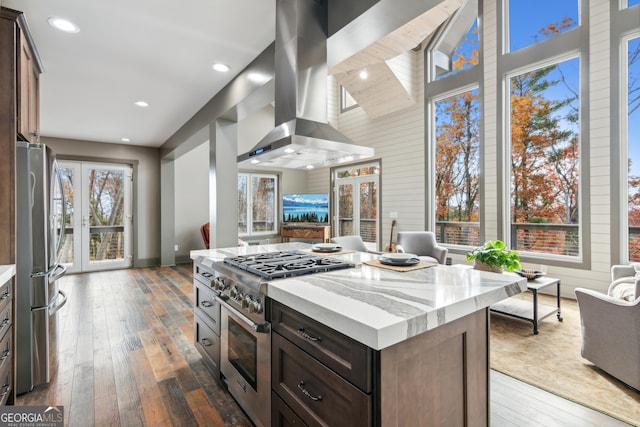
(494, 256)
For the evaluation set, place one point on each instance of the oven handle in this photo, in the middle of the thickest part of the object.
(263, 328)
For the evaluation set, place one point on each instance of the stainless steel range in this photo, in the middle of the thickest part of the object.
(239, 284)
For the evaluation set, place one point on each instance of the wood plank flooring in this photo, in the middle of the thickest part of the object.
(125, 357)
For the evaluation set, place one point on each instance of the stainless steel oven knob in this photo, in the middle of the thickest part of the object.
(246, 302)
(255, 307)
(233, 292)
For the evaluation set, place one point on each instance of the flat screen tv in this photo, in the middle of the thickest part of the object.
(312, 208)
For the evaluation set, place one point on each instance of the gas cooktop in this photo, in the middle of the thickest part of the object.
(281, 264)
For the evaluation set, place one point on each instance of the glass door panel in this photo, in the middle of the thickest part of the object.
(368, 229)
(98, 216)
(345, 207)
(357, 206)
(106, 215)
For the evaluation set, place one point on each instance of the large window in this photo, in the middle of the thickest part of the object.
(532, 21)
(257, 204)
(454, 130)
(633, 145)
(545, 159)
(457, 135)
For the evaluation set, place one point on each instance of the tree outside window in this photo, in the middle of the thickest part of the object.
(545, 159)
(457, 168)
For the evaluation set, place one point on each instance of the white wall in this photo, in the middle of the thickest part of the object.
(191, 199)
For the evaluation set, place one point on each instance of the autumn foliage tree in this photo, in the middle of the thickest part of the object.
(457, 154)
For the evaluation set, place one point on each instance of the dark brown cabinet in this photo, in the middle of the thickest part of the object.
(6, 342)
(28, 96)
(319, 376)
(206, 323)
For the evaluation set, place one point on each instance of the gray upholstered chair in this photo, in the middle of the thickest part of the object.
(423, 244)
(353, 242)
(611, 330)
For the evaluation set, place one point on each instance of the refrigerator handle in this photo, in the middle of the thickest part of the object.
(55, 275)
(53, 310)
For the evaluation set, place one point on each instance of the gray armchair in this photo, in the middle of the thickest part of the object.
(423, 244)
(353, 242)
(611, 331)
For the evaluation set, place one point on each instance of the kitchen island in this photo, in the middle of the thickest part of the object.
(371, 346)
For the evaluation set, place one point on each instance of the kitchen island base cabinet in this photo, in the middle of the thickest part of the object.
(438, 378)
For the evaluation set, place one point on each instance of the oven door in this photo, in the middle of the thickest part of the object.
(245, 362)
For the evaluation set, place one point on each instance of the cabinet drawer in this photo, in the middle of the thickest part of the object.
(342, 354)
(6, 383)
(205, 301)
(318, 395)
(5, 319)
(6, 348)
(208, 344)
(282, 415)
(6, 293)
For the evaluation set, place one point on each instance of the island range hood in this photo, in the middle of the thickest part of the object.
(302, 137)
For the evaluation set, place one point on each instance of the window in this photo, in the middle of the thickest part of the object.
(347, 102)
(257, 204)
(456, 52)
(632, 2)
(457, 173)
(532, 21)
(545, 159)
(633, 146)
(356, 202)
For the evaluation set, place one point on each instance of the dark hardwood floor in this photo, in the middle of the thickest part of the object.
(126, 358)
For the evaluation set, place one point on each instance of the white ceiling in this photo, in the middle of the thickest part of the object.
(130, 50)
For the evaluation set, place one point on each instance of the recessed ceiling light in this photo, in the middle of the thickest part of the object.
(363, 74)
(309, 166)
(125, 139)
(63, 25)
(255, 161)
(289, 150)
(221, 67)
(142, 103)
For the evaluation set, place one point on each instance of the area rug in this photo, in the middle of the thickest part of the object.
(551, 361)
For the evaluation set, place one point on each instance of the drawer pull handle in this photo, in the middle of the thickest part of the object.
(206, 342)
(5, 354)
(4, 295)
(306, 393)
(206, 303)
(5, 322)
(5, 390)
(305, 335)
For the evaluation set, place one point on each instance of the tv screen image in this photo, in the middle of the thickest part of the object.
(310, 208)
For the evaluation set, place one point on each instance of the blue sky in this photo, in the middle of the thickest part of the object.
(526, 18)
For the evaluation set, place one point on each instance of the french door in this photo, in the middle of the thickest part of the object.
(356, 195)
(99, 219)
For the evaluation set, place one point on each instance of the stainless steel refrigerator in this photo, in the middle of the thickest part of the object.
(40, 220)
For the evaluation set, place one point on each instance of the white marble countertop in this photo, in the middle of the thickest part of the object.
(6, 273)
(379, 307)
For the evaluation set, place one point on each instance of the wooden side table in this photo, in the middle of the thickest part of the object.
(531, 311)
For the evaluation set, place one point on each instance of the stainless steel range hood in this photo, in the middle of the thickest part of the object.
(302, 137)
